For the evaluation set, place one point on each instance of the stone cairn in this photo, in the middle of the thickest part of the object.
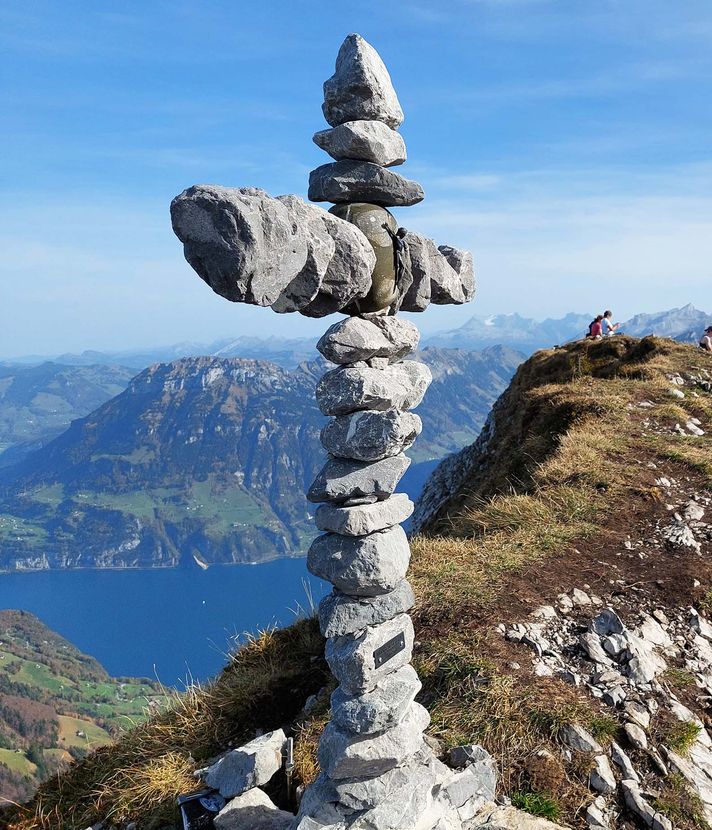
(376, 770)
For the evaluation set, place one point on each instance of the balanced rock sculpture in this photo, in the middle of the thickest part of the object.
(377, 773)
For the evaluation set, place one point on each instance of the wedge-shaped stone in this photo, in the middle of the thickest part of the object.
(371, 435)
(364, 566)
(348, 389)
(343, 614)
(359, 661)
(464, 287)
(363, 519)
(253, 810)
(365, 141)
(365, 793)
(361, 87)
(248, 766)
(341, 479)
(362, 181)
(343, 755)
(382, 708)
(355, 339)
(251, 248)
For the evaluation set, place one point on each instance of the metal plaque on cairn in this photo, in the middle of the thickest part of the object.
(376, 771)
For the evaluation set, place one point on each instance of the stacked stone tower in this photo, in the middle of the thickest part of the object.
(377, 772)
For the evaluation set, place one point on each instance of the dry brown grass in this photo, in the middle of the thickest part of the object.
(569, 439)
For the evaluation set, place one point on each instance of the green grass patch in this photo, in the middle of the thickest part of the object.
(17, 762)
(680, 736)
(538, 804)
(91, 735)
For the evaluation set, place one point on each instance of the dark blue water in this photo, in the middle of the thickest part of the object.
(170, 623)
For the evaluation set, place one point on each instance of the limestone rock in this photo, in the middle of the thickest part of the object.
(361, 87)
(475, 785)
(362, 181)
(382, 708)
(355, 661)
(602, 779)
(248, 766)
(464, 287)
(344, 755)
(253, 810)
(434, 279)
(580, 739)
(348, 389)
(254, 249)
(370, 435)
(510, 818)
(635, 802)
(363, 566)
(365, 141)
(343, 614)
(342, 479)
(356, 338)
(460, 757)
(359, 520)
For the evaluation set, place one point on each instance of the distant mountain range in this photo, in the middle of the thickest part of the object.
(207, 459)
(522, 333)
(685, 324)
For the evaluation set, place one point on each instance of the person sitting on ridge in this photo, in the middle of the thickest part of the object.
(706, 340)
(607, 327)
(595, 331)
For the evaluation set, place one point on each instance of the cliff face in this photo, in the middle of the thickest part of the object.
(206, 458)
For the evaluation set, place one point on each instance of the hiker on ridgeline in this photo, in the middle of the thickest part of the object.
(595, 330)
(706, 340)
(607, 326)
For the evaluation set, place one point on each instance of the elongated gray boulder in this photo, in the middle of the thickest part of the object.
(381, 708)
(362, 519)
(364, 566)
(362, 181)
(349, 389)
(363, 140)
(366, 792)
(341, 614)
(371, 435)
(254, 249)
(343, 755)
(248, 766)
(361, 87)
(356, 339)
(358, 661)
(342, 479)
(461, 263)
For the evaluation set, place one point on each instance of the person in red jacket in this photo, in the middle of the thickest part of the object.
(595, 330)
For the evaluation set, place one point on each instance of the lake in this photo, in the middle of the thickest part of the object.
(174, 623)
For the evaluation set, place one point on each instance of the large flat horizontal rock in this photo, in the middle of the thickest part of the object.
(284, 253)
(355, 339)
(342, 479)
(361, 565)
(370, 435)
(363, 140)
(253, 810)
(381, 708)
(362, 519)
(366, 793)
(248, 766)
(343, 755)
(359, 661)
(361, 87)
(362, 181)
(349, 388)
(343, 614)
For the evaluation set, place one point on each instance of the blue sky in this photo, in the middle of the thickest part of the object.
(566, 143)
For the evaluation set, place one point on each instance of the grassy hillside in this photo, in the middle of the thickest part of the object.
(57, 704)
(569, 493)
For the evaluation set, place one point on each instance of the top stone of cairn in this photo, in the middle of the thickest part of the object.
(360, 88)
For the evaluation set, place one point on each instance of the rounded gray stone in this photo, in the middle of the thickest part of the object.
(381, 708)
(355, 339)
(362, 181)
(352, 658)
(365, 141)
(342, 479)
(341, 614)
(361, 565)
(343, 755)
(362, 519)
(348, 389)
(370, 435)
(361, 87)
